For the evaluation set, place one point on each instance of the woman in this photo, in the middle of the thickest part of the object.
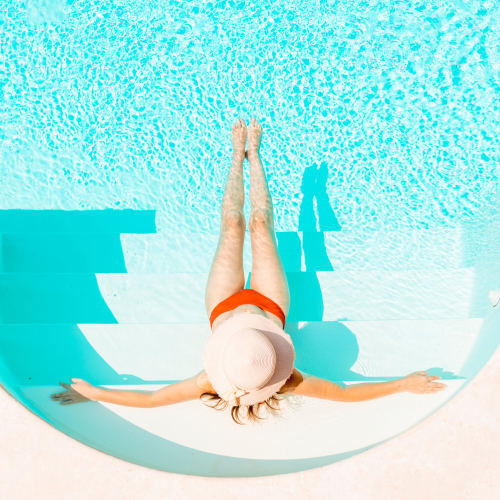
(249, 357)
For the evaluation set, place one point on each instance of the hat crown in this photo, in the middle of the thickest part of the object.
(249, 359)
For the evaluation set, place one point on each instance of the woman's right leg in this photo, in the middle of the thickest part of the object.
(226, 275)
(268, 275)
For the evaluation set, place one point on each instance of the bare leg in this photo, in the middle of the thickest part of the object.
(268, 275)
(226, 274)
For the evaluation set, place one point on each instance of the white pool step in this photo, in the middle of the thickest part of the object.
(299, 251)
(444, 248)
(318, 427)
(437, 248)
(324, 295)
(137, 353)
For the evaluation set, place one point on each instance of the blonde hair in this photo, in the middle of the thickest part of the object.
(272, 405)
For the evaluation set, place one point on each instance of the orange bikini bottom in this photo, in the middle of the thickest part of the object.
(247, 296)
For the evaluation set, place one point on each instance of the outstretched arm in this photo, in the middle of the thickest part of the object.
(187, 389)
(308, 385)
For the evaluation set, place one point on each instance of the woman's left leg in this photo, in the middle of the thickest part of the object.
(226, 275)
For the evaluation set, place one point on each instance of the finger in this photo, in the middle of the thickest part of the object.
(61, 395)
(435, 377)
(421, 373)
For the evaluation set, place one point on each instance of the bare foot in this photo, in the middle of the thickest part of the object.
(239, 137)
(254, 136)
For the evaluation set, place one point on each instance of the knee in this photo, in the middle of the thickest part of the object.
(233, 220)
(260, 219)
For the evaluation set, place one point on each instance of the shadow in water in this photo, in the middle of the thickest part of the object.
(325, 349)
(48, 285)
(305, 291)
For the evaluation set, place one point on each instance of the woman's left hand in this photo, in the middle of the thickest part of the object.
(420, 382)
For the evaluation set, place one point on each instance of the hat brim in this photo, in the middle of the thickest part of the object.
(214, 350)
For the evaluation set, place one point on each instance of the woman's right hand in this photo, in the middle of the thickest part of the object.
(420, 382)
(84, 388)
(78, 392)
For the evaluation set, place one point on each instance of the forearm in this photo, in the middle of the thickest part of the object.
(126, 398)
(362, 392)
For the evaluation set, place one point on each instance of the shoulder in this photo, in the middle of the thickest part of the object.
(184, 390)
(305, 384)
(203, 383)
(293, 381)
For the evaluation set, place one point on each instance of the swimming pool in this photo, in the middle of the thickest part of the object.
(380, 144)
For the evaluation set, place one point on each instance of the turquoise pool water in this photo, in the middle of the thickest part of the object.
(381, 147)
(129, 104)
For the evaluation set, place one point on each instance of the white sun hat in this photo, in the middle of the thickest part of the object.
(248, 358)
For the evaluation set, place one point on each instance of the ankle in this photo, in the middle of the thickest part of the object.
(238, 154)
(252, 153)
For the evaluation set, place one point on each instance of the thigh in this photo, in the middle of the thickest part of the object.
(226, 275)
(268, 274)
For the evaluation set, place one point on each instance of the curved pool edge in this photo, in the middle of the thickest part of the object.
(189, 461)
(193, 462)
(421, 461)
(265, 468)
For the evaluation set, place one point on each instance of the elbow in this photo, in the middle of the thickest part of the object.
(347, 395)
(351, 395)
(154, 401)
(335, 392)
(150, 401)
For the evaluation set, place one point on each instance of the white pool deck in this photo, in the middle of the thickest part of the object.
(453, 454)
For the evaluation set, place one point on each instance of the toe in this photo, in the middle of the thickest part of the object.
(239, 124)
